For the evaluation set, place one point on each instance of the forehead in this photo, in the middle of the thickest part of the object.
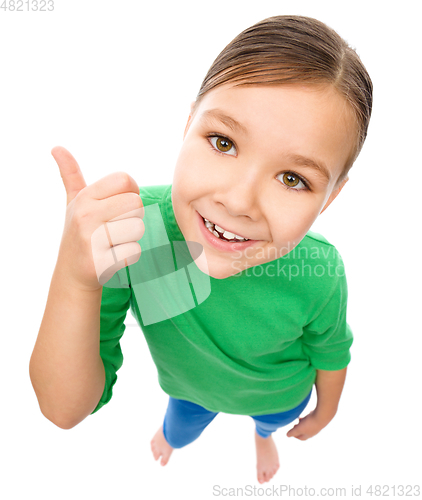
(303, 120)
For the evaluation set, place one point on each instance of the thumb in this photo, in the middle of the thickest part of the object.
(291, 432)
(70, 172)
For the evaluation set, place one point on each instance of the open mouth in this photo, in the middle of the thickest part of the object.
(222, 233)
(222, 239)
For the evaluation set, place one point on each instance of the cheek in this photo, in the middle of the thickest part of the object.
(294, 218)
(304, 216)
(188, 182)
(193, 165)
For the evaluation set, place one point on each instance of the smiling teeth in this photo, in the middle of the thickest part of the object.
(213, 228)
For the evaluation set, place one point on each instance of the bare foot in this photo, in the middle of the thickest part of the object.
(160, 447)
(267, 458)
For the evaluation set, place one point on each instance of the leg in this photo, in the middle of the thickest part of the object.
(183, 423)
(267, 424)
(266, 451)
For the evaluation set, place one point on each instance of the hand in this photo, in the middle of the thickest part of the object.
(93, 247)
(308, 426)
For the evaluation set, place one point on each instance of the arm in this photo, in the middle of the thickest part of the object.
(327, 339)
(65, 368)
(329, 385)
(77, 353)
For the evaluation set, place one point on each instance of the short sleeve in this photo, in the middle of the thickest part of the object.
(328, 337)
(115, 303)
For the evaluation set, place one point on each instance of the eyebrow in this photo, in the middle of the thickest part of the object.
(318, 166)
(226, 119)
(299, 160)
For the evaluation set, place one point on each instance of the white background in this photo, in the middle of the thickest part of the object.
(113, 82)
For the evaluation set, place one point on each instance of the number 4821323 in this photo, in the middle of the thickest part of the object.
(22, 5)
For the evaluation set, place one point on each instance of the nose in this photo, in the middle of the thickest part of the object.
(240, 196)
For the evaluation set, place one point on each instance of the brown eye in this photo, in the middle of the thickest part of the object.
(222, 144)
(287, 179)
(291, 180)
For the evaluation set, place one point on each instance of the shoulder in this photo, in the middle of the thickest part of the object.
(316, 239)
(321, 270)
(316, 249)
(326, 288)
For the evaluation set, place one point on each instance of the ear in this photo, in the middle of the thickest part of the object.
(189, 119)
(334, 195)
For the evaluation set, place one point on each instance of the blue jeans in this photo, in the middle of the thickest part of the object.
(184, 421)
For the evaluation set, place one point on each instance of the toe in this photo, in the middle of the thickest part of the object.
(155, 452)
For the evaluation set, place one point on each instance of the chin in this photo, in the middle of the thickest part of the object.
(215, 271)
(220, 275)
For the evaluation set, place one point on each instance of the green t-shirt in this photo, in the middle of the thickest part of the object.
(252, 344)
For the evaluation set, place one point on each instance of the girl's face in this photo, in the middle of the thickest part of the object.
(248, 164)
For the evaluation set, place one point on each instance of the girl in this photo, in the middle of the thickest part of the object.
(278, 122)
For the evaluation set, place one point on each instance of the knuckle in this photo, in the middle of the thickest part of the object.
(80, 215)
(124, 180)
(136, 200)
(136, 203)
(135, 249)
(140, 227)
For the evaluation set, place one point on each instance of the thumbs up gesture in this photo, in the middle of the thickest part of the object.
(102, 226)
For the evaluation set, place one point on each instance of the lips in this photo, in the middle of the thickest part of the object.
(227, 233)
(222, 233)
(219, 244)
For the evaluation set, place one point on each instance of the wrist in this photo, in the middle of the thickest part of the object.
(67, 281)
(325, 415)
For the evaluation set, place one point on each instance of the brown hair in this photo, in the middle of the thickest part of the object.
(296, 49)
